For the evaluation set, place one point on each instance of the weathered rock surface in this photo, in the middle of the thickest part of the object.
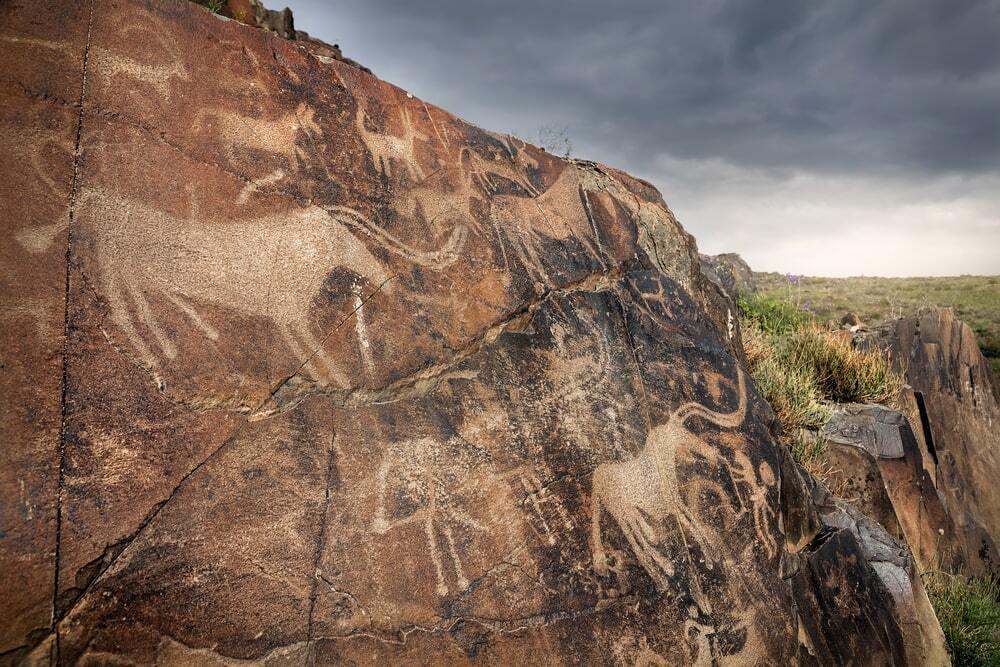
(859, 593)
(875, 461)
(730, 272)
(956, 401)
(303, 370)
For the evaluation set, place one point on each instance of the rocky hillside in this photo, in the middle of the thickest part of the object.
(300, 369)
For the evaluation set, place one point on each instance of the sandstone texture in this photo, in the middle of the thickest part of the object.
(300, 369)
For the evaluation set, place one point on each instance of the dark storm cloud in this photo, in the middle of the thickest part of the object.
(818, 137)
(844, 85)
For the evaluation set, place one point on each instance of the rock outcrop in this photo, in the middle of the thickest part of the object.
(955, 400)
(303, 370)
(874, 460)
(282, 23)
(730, 272)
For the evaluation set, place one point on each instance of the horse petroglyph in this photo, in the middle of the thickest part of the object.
(420, 481)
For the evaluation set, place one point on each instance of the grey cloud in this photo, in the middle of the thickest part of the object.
(873, 90)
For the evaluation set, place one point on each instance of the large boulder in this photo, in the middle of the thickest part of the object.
(301, 369)
(874, 460)
(858, 591)
(955, 398)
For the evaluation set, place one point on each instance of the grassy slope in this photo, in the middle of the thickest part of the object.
(976, 300)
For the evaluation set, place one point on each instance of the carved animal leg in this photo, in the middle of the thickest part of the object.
(314, 352)
(147, 317)
(179, 301)
(121, 317)
(702, 639)
(533, 487)
(647, 540)
(696, 592)
(442, 588)
(597, 552)
(692, 527)
(463, 583)
(321, 355)
(643, 551)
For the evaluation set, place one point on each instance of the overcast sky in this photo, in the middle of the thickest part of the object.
(814, 137)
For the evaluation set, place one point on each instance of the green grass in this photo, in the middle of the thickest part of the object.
(969, 612)
(802, 369)
(215, 6)
(774, 316)
(976, 300)
(842, 373)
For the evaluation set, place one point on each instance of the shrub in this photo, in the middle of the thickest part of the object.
(792, 393)
(969, 612)
(215, 6)
(774, 316)
(843, 373)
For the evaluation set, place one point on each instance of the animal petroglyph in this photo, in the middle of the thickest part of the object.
(548, 510)
(436, 259)
(421, 481)
(388, 150)
(231, 265)
(642, 493)
(160, 75)
(241, 134)
(37, 238)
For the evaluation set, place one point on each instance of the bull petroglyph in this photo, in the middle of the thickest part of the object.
(144, 252)
(420, 481)
(641, 494)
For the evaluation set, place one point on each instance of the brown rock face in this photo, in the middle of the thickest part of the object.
(956, 400)
(303, 370)
(877, 464)
(730, 272)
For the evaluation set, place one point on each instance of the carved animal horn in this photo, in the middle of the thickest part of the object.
(723, 420)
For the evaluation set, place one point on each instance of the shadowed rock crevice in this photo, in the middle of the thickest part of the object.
(57, 598)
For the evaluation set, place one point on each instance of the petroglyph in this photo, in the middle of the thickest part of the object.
(144, 252)
(159, 75)
(258, 183)
(642, 493)
(242, 134)
(435, 259)
(38, 239)
(421, 481)
(361, 329)
(388, 149)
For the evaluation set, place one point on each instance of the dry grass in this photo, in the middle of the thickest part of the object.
(842, 373)
(802, 369)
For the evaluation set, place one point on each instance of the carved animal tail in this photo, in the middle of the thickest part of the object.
(723, 420)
